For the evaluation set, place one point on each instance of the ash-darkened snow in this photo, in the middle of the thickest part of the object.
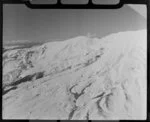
(80, 78)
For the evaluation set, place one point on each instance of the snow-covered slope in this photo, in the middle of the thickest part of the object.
(80, 78)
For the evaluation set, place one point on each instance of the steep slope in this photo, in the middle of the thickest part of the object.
(80, 78)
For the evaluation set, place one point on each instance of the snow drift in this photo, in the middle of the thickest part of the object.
(80, 78)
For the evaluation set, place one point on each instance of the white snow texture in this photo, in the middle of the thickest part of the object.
(83, 78)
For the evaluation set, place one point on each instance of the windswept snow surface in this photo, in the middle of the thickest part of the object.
(80, 78)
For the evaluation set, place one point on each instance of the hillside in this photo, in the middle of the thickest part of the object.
(80, 78)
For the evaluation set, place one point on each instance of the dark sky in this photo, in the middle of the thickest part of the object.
(21, 23)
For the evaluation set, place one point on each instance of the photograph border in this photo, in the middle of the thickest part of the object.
(83, 6)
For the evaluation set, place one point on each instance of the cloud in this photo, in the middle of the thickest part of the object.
(17, 42)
